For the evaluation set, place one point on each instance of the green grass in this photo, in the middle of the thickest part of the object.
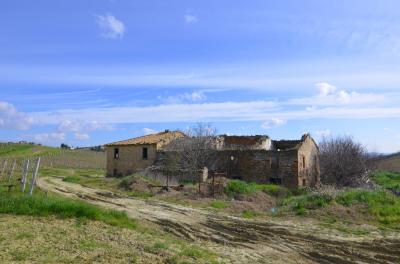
(157, 247)
(14, 150)
(196, 253)
(388, 180)
(237, 187)
(72, 179)
(301, 204)
(42, 205)
(249, 214)
(218, 204)
(381, 204)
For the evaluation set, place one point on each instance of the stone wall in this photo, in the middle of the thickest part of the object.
(259, 166)
(309, 171)
(130, 159)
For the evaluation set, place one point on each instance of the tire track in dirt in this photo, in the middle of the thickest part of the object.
(243, 241)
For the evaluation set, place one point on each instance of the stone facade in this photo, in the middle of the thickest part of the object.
(128, 156)
(292, 163)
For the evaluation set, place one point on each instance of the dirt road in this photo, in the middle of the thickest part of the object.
(240, 240)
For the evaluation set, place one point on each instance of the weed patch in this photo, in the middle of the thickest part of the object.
(218, 204)
(40, 205)
(388, 180)
(237, 187)
(381, 204)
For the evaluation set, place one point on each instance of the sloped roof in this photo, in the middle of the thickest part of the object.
(149, 139)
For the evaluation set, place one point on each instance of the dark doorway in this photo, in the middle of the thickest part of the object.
(144, 153)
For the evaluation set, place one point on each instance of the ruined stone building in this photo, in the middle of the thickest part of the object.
(128, 156)
(292, 163)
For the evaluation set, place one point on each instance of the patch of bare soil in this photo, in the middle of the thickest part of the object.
(247, 241)
(258, 202)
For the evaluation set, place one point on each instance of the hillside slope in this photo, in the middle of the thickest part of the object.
(387, 163)
(16, 150)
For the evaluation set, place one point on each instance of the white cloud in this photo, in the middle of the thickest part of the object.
(190, 19)
(11, 118)
(185, 97)
(273, 122)
(323, 133)
(48, 138)
(82, 136)
(329, 95)
(325, 88)
(149, 131)
(80, 128)
(213, 112)
(110, 26)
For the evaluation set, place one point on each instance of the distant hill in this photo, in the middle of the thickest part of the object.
(18, 150)
(386, 163)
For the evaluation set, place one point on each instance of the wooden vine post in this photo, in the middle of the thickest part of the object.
(33, 182)
(25, 174)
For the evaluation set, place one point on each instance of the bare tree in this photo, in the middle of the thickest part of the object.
(342, 161)
(195, 151)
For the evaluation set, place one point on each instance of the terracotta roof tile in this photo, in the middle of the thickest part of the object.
(149, 139)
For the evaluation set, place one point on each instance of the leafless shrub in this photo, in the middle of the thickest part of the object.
(342, 161)
(191, 153)
(195, 150)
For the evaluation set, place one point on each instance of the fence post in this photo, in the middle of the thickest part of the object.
(34, 176)
(25, 174)
(12, 171)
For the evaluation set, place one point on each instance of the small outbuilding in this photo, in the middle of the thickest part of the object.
(128, 156)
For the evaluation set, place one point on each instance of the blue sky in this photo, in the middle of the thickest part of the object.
(95, 71)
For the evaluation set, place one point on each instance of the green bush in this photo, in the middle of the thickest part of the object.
(40, 205)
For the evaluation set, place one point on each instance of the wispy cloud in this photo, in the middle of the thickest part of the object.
(273, 122)
(190, 19)
(110, 26)
(329, 95)
(323, 133)
(182, 98)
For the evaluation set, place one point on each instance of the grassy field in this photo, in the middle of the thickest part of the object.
(53, 157)
(388, 180)
(25, 150)
(47, 228)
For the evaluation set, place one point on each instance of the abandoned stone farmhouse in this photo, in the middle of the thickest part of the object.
(292, 163)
